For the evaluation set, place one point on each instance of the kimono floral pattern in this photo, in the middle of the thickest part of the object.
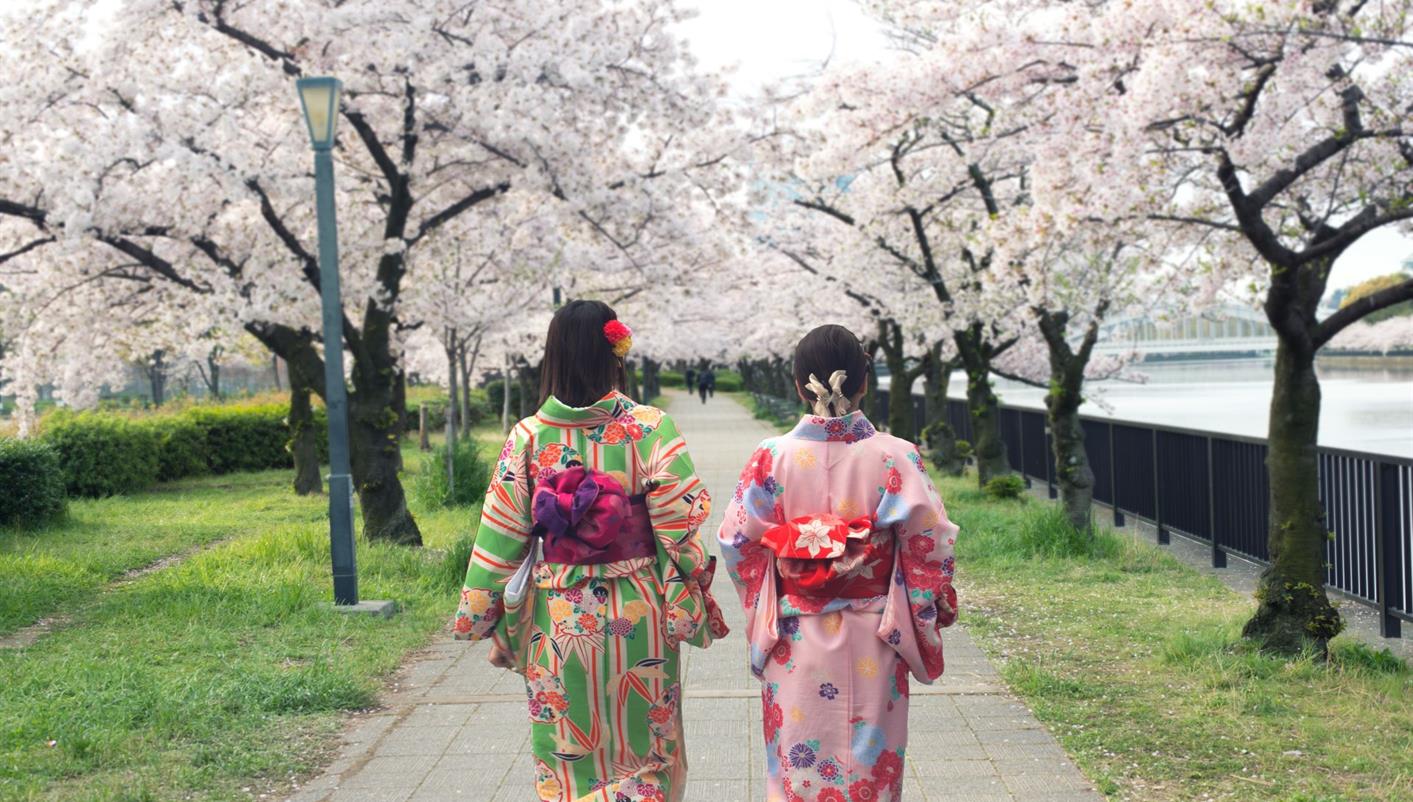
(616, 627)
(835, 672)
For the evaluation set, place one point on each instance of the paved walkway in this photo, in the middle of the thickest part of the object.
(454, 728)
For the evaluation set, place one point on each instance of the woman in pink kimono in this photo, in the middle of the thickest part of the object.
(841, 550)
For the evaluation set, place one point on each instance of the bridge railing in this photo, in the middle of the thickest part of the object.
(1214, 488)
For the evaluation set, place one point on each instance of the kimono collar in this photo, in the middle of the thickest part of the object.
(849, 429)
(559, 414)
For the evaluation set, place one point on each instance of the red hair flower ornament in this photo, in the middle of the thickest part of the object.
(619, 336)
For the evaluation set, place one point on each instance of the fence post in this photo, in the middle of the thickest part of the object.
(1114, 480)
(1386, 537)
(1163, 537)
(1219, 557)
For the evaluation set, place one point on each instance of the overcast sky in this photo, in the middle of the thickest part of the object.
(766, 40)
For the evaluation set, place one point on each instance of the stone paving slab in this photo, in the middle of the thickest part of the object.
(452, 727)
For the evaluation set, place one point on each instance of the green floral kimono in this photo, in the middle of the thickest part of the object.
(598, 644)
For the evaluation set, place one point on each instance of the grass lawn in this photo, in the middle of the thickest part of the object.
(61, 565)
(218, 676)
(1135, 662)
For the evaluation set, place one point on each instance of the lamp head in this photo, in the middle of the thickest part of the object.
(319, 98)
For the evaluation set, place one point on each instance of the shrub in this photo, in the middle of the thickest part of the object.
(471, 470)
(103, 454)
(33, 480)
(451, 574)
(1003, 487)
(244, 437)
(181, 447)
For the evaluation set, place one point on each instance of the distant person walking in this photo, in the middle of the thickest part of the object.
(691, 383)
(706, 384)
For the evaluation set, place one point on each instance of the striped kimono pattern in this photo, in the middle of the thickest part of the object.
(598, 644)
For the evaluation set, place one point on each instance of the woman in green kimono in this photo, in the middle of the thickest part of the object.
(604, 493)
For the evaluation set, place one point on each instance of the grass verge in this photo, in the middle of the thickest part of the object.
(220, 676)
(1135, 662)
(50, 568)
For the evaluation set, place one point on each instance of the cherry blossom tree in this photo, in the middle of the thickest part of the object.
(910, 156)
(169, 136)
(1282, 127)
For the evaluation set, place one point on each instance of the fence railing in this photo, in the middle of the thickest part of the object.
(1213, 488)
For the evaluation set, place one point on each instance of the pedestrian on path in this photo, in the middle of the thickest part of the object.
(841, 550)
(691, 379)
(589, 571)
(706, 383)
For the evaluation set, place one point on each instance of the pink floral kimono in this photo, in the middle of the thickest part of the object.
(841, 550)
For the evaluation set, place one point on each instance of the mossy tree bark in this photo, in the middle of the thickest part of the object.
(1073, 474)
(941, 439)
(303, 436)
(975, 352)
(901, 417)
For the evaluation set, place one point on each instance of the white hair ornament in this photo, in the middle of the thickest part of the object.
(829, 402)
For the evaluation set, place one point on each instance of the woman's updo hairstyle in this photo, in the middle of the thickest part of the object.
(820, 353)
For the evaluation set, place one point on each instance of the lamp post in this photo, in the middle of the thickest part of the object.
(319, 98)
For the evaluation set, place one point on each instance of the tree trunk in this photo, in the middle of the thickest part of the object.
(157, 377)
(900, 389)
(523, 379)
(423, 438)
(940, 438)
(465, 363)
(983, 406)
(400, 404)
(275, 368)
(374, 453)
(452, 397)
(651, 387)
(1293, 610)
(1073, 474)
(303, 437)
(873, 410)
(505, 396)
(635, 385)
(213, 383)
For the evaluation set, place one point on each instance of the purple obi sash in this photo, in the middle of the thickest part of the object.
(584, 517)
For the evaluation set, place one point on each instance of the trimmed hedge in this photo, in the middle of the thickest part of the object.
(105, 453)
(243, 438)
(33, 480)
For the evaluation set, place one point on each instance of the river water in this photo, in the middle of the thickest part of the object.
(1363, 408)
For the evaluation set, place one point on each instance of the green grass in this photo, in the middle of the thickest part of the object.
(50, 569)
(1135, 662)
(223, 672)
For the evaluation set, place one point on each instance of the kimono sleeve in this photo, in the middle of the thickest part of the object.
(753, 510)
(502, 544)
(678, 505)
(922, 599)
(749, 514)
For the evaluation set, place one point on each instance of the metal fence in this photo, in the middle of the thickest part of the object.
(1213, 487)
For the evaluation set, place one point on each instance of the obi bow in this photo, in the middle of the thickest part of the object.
(816, 537)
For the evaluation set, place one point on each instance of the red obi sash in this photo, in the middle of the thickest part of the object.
(586, 518)
(826, 556)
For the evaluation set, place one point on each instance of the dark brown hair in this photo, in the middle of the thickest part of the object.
(579, 366)
(825, 350)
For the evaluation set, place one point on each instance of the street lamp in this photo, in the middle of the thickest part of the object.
(320, 99)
